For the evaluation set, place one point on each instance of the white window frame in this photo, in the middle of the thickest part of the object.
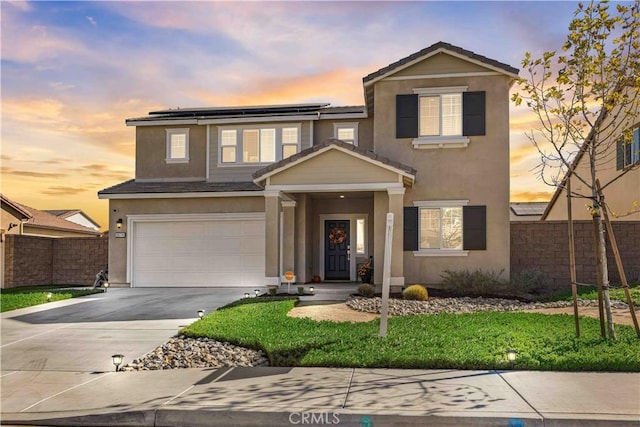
(259, 127)
(438, 204)
(234, 146)
(344, 125)
(288, 144)
(177, 131)
(438, 141)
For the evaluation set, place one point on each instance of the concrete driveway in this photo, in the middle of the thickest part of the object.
(81, 334)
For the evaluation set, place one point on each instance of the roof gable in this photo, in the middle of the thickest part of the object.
(435, 49)
(307, 155)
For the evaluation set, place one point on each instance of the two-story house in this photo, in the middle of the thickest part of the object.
(229, 196)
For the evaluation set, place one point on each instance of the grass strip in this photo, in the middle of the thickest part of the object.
(15, 298)
(452, 341)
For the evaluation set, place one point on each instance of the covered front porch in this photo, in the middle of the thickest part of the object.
(325, 214)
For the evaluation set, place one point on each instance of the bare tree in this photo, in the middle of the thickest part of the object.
(586, 100)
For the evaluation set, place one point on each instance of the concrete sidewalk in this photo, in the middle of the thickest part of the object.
(320, 396)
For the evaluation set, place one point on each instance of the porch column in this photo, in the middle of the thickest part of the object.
(288, 237)
(396, 202)
(272, 237)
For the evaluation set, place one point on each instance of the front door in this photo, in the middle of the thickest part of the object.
(337, 250)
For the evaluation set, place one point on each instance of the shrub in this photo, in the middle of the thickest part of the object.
(273, 290)
(300, 290)
(366, 290)
(416, 293)
(531, 280)
(476, 283)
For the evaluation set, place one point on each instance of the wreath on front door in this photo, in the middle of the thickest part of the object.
(337, 235)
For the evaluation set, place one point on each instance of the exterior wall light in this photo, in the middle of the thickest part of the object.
(200, 313)
(119, 224)
(117, 360)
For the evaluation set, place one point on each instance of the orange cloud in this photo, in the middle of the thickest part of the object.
(529, 196)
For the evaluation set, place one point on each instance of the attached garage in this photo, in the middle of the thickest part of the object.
(196, 250)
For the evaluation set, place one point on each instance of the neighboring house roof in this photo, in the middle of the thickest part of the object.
(136, 187)
(67, 213)
(20, 211)
(260, 173)
(41, 219)
(526, 211)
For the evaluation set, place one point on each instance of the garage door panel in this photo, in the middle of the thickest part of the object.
(216, 252)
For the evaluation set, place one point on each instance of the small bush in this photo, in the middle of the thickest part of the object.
(416, 293)
(300, 290)
(531, 281)
(273, 291)
(366, 290)
(476, 283)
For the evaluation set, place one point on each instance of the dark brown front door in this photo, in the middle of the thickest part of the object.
(336, 250)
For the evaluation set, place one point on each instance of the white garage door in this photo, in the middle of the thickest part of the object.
(216, 252)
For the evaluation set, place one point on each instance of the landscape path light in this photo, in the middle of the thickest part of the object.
(117, 360)
(257, 291)
(511, 356)
(49, 295)
(311, 289)
(246, 294)
(200, 313)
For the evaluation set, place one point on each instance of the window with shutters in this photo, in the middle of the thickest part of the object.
(257, 144)
(444, 228)
(177, 145)
(628, 152)
(440, 117)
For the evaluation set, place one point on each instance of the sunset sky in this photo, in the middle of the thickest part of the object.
(72, 72)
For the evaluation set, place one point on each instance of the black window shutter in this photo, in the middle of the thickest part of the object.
(410, 229)
(407, 116)
(473, 113)
(474, 228)
(619, 154)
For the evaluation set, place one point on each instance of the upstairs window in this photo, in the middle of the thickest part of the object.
(229, 145)
(347, 132)
(177, 145)
(290, 142)
(440, 117)
(254, 144)
(628, 152)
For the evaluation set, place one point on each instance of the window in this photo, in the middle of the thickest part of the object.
(254, 144)
(229, 145)
(628, 153)
(360, 236)
(289, 142)
(440, 117)
(177, 145)
(444, 228)
(347, 132)
(441, 228)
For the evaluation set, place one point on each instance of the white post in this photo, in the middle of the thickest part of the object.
(386, 276)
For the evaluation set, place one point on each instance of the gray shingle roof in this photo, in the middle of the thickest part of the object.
(135, 187)
(304, 153)
(434, 47)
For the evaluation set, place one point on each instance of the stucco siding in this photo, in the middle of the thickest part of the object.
(151, 153)
(334, 167)
(478, 173)
(324, 130)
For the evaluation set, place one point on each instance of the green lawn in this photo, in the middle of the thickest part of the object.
(614, 294)
(456, 341)
(14, 298)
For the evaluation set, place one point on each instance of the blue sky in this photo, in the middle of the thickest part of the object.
(72, 72)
